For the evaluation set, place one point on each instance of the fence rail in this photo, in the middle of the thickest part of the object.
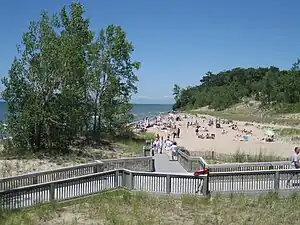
(191, 163)
(136, 163)
(256, 182)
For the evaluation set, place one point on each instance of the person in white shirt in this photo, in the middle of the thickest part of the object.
(156, 145)
(295, 160)
(174, 149)
(295, 163)
(168, 144)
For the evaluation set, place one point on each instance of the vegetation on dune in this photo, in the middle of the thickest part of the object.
(122, 207)
(239, 156)
(271, 86)
(69, 85)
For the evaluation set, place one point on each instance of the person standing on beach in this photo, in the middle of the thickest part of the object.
(174, 133)
(178, 132)
(197, 131)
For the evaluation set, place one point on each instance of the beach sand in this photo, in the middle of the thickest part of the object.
(228, 143)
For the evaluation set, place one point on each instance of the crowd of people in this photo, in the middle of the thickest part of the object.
(169, 129)
(159, 145)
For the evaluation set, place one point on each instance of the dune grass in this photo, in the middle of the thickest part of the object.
(134, 146)
(239, 156)
(14, 163)
(242, 157)
(288, 132)
(263, 118)
(122, 207)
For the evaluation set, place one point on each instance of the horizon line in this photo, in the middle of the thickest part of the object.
(1, 100)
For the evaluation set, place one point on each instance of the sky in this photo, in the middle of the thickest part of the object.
(177, 42)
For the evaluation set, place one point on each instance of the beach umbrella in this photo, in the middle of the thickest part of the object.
(269, 132)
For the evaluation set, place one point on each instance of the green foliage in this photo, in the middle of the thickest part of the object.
(287, 132)
(122, 207)
(66, 82)
(219, 91)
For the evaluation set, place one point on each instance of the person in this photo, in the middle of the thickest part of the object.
(168, 144)
(178, 132)
(197, 131)
(174, 133)
(155, 146)
(161, 144)
(174, 150)
(294, 163)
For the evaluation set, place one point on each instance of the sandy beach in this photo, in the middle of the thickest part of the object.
(229, 142)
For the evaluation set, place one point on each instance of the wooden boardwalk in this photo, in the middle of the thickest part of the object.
(164, 164)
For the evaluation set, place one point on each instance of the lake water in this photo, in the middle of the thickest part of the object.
(139, 110)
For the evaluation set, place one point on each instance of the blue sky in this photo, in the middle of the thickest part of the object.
(177, 41)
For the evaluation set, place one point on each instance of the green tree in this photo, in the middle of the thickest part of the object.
(63, 76)
(271, 86)
(176, 92)
(113, 80)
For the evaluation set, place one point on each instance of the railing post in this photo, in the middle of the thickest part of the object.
(51, 192)
(34, 180)
(168, 184)
(191, 165)
(116, 180)
(206, 185)
(130, 181)
(152, 165)
(213, 155)
(99, 167)
(124, 179)
(276, 181)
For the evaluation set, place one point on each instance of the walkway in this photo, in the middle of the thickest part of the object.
(163, 164)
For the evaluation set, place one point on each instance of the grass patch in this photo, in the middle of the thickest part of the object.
(287, 132)
(134, 146)
(286, 108)
(121, 207)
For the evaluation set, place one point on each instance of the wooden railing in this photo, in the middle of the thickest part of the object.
(136, 163)
(191, 163)
(251, 182)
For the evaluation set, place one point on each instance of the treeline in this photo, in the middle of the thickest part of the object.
(69, 82)
(271, 86)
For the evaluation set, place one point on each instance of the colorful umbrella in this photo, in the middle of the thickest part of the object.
(269, 132)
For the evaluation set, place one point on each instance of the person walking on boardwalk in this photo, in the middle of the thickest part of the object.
(295, 163)
(174, 150)
(161, 144)
(156, 145)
